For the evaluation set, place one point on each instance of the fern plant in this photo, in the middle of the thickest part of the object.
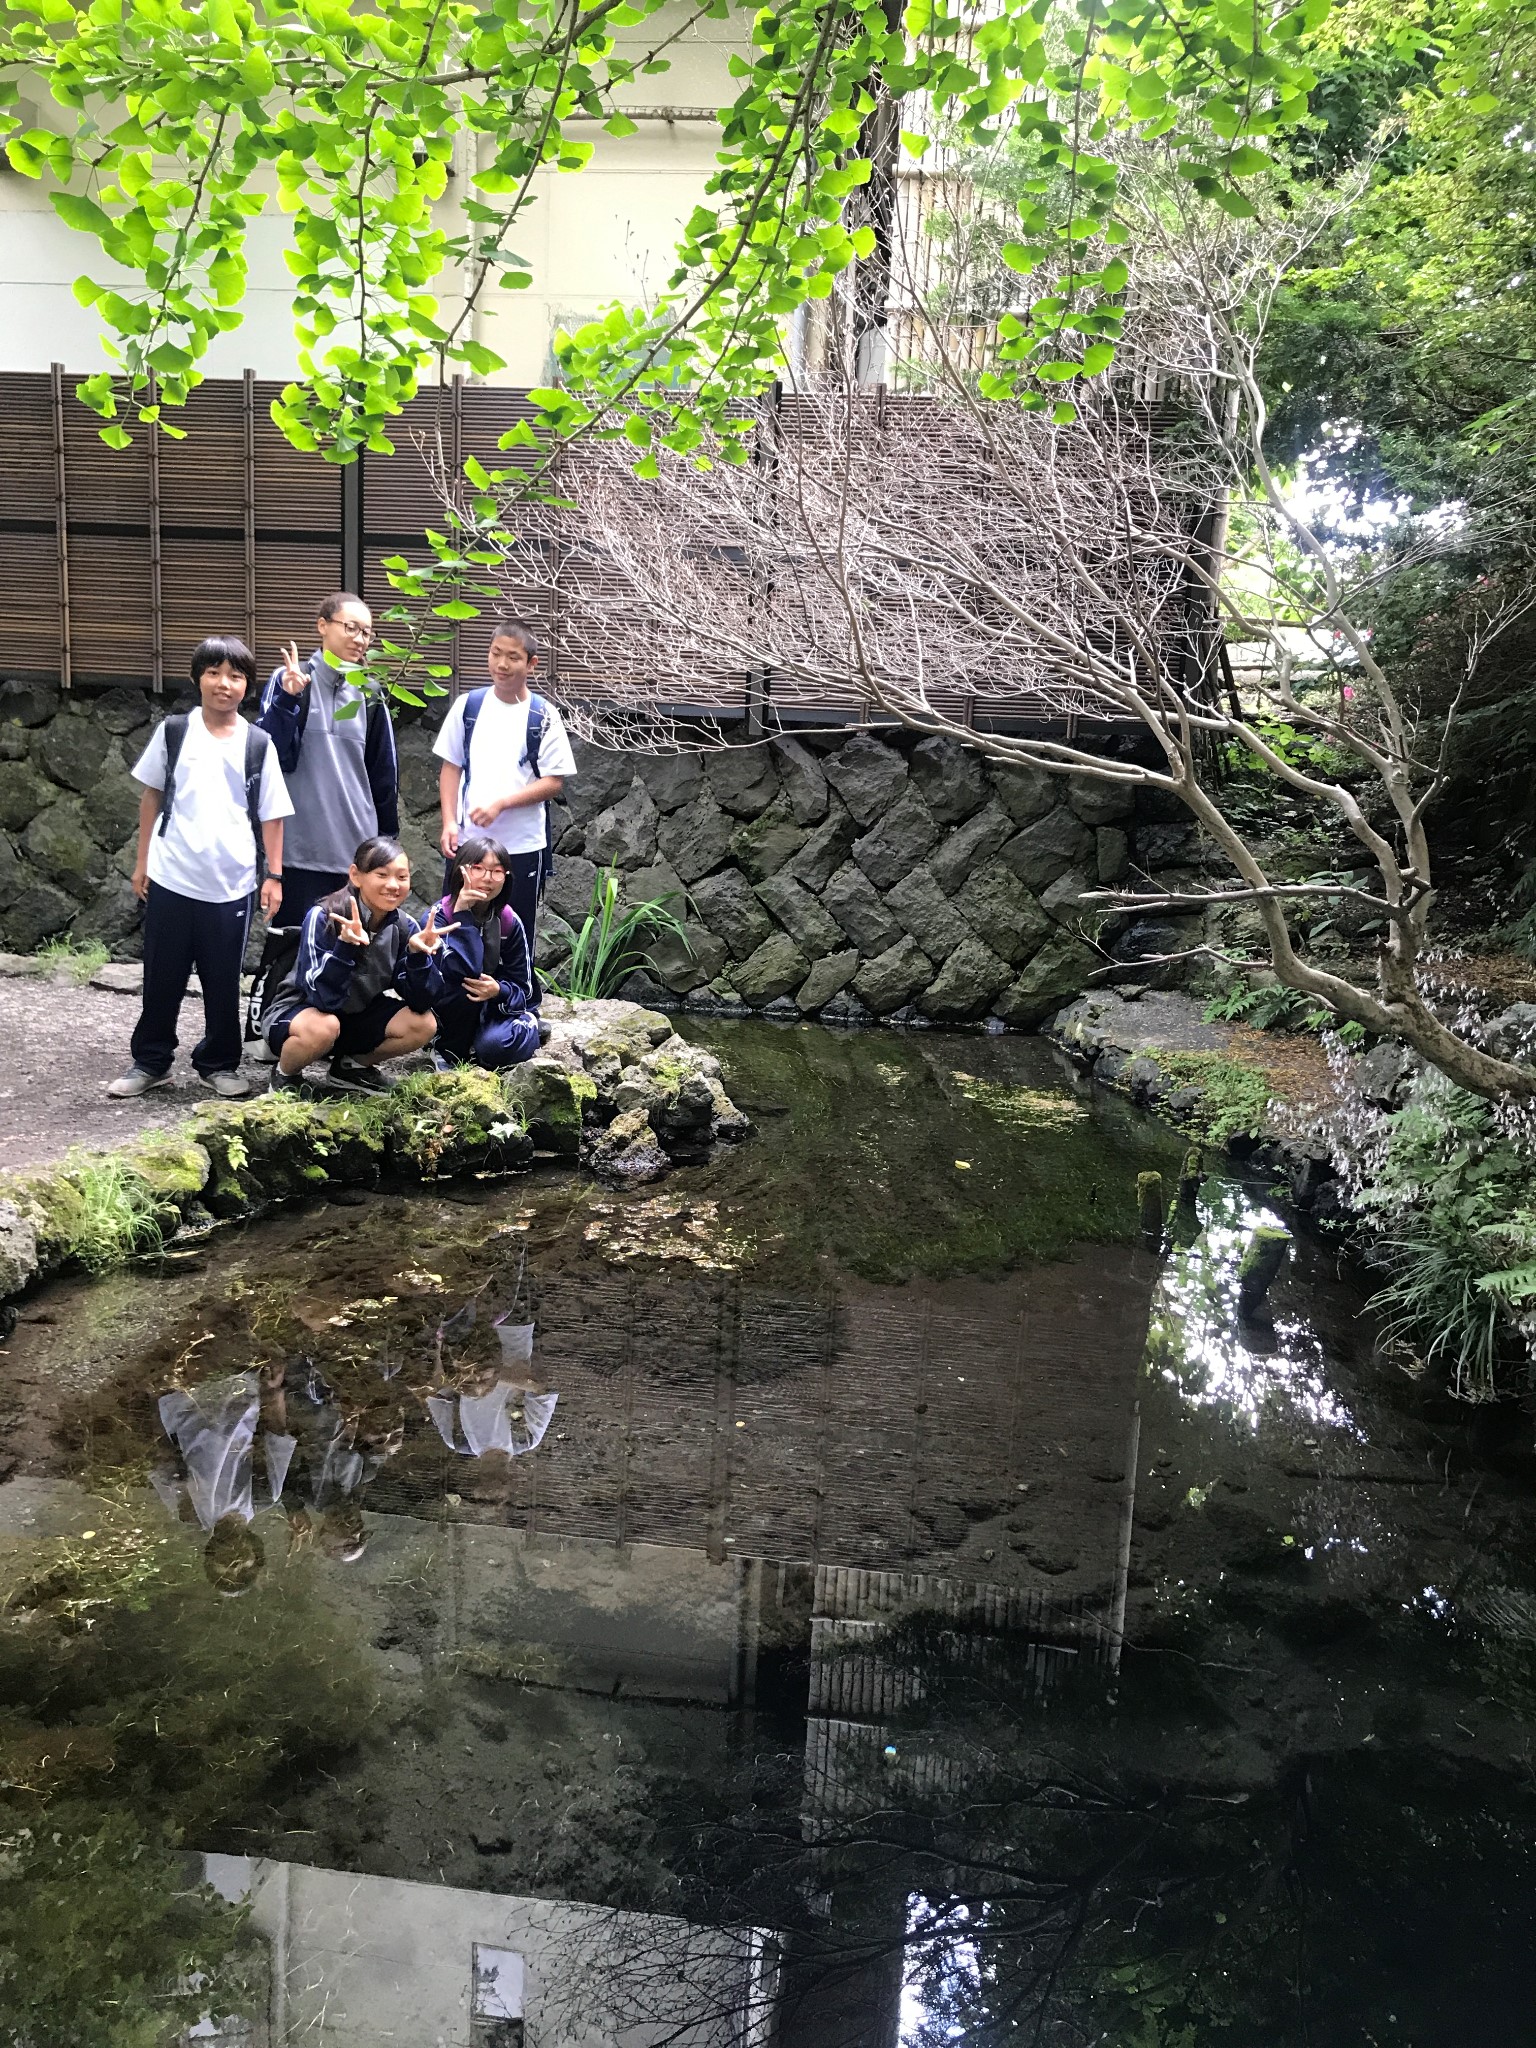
(611, 943)
(1270, 1006)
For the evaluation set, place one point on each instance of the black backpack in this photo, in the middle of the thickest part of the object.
(256, 745)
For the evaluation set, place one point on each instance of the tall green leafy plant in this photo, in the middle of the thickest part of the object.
(612, 942)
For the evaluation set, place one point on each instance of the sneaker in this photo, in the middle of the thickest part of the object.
(226, 1083)
(545, 1028)
(257, 1049)
(442, 1062)
(353, 1079)
(137, 1081)
(289, 1084)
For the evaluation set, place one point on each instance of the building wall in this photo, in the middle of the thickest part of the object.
(849, 877)
(589, 237)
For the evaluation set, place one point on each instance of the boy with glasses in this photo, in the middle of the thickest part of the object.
(339, 762)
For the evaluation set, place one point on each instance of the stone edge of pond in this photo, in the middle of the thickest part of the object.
(614, 1089)
(1086, 1029)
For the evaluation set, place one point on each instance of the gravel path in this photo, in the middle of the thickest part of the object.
(63, 1044)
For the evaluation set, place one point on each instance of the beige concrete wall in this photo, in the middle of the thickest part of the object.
(359, 1961)
(588, 237)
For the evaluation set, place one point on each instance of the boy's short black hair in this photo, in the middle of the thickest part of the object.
(518, 630)
(219, 648)
(330, 607)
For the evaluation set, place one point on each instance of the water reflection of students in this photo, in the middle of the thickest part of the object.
(310, 1451)
(494, 1403)
(336, 1458)
(216, 1479)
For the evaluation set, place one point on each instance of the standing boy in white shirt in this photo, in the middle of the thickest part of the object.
(210, 818)
(517, 758)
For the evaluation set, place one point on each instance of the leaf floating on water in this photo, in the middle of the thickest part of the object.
(964, 1165)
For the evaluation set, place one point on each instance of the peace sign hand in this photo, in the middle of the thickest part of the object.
(349, 929)
(293, 677)
(430, 937)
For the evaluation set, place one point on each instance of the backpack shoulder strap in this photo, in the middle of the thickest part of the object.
(256, 745)
(175, 734)
(473, 701)
(537, 709)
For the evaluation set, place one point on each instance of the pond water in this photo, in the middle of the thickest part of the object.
(853, 1595)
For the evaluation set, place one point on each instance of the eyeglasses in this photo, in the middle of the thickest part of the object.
(353, 629)
(485, 867)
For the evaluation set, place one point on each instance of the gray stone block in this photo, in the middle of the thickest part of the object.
(658, 883)
(569, 894)
(36, 911)
(15, 743)
(1055, 845)
(1065, 898)
(776, 968)
(867, 775)
(113, 810)
(1002, 911)
(23, 793)
(898, 842)
(18, 1250)
(827, 978)
(894, 977)
(743, 779)
(853, 902)
(951, 778)
(602, 776)
(927, 913)
(111, 915)
(805, 785)
(966, 983)
(72, 751)
(419, 769)
(1026, 793)
(28, 703)
(1113, 854)
(672, 779)
(762, 847)
(1059, 971)
(127, 710)
(625, 834)
(697, 837)
(59, 845)
(958, 852)
(826, 849)
(801, 915)
(728, 906)
(685, 963)
(1100, 802)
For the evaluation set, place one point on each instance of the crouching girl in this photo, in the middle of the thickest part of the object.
(482, 1013)
(365, 981)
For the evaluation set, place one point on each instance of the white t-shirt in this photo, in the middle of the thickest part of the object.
(496, 767)
(206, 850)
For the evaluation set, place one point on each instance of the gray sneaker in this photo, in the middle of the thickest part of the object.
(229, 1084)
(137, 1081)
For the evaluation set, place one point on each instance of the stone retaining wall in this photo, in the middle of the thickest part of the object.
(846, 877)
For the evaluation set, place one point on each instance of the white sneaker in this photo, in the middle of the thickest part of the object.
(262, 1053)
(137, 1081)
(228, 1084)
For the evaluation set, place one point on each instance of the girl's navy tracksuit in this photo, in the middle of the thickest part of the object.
(499, 1032)
(355, 982)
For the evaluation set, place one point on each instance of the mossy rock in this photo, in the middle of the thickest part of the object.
(552, 1103)
(176, 1168)
(461, 1121)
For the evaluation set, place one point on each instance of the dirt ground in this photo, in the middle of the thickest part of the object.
(63, 1044)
